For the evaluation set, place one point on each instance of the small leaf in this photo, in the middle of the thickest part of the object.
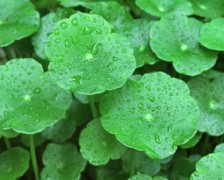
(163, 7)
(13, 163)
(210, 98)
(25, 92)
(138, 112)
(97, 145)
(192, 142)
(209, 9)
(137, 31)
(141, 177)
(46, 27)
(211, 35)
(91, 59)
(62, 162)
(175, 39)
(209, 167)
(219, 148)
(15, 25)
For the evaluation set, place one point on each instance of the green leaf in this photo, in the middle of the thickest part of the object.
(175, 39)
(210, 9)
(107, 9)
(211, 35)
(210, 99)
(138, 112)
(13, 163)
(141, 177)
(46, 27)
(62, 162)
(143, 164)
(91, 58)
(8, 133)
(85, 3)
(14, 24)
(192, 142)
(64, 129)
(97, 145)
(38, 139)
(137, 31)
(209, 167)
(163, 7)
(219, 148)
(29, 100)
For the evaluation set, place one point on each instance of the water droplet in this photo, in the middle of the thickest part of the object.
(37, 91)
(64, 25)
(114, 58)
(74, 22)
(67, 43)
(88, 56)
(183, 47)
(56, 31)
(57, 40)
(87, 18)
(157, 139)
(124, 50)
(104, 143)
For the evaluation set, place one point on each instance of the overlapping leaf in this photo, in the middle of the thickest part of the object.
(29, 100)
(15, 25)
(175, 39)
(91, 58)
(210, 99)
(138, 113)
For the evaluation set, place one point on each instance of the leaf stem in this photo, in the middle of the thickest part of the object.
(7, 143)
(34, 158)
(93, 107)
(132, 162)
(8, 52)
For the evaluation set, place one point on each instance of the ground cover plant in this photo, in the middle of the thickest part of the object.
(111, 90)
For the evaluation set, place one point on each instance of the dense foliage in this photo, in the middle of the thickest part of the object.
(111, 90)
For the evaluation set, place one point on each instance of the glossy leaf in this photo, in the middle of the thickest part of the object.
(210, 99)
(25, 92)
(91, 58)
(62, 162)
(137, 31)
(138, 113)
(192, 142)
(141, 177)
(209, 167)
(46, 27)
(163, 7)
(13, 163)
(219, 148)
(15, 25)
(175, 39)
(97, 145)
(210, 9)
(211, 35)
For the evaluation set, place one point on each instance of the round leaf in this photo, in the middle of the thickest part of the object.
(210, 9)
(97, 145)
(192, 142)
(211, 35)
(219, 148)
(137, 31)
(15, 25)
(29, 100)
(162, 7)
(91, 58)
(62, 162)
(14, 163)
(46, 27)
(210, 99)
(107, 9)
(209, 167)
(175, 38)
(138, 113)
(141, 177)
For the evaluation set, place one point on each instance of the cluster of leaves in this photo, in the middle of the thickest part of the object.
(112, 90)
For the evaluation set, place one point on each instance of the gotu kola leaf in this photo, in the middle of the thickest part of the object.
(138, 112)
(15, 25)
(47, 24)
(209, 9)
(175, 38)
(14, 163)
(209, 167)
(210, 99)
(163, 7)
(62, 162)
(211, 35)
(25, 92)
(137, 31)
(98, 146)
(91, 58)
